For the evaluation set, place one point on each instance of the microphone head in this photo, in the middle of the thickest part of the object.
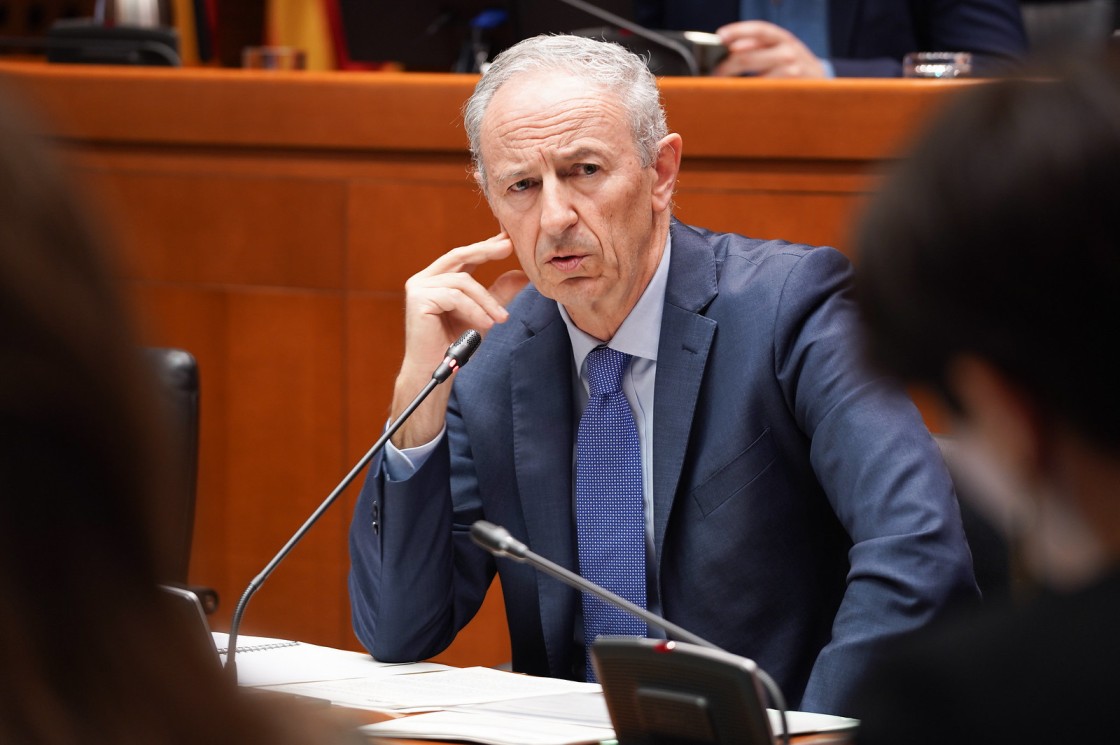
(465, 346)
(458, 354)
(497, 540)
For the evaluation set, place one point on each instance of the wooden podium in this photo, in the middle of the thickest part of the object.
(267, 222)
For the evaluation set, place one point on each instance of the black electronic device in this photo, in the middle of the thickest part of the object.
(85, 40)
(663, 692)
(660, 692)
(185, 607)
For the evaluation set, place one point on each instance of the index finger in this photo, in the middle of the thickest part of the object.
(468, 258)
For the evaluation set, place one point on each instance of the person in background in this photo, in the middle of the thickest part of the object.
(988, 270)
(91, 652)
(679, 414)
(844, 38)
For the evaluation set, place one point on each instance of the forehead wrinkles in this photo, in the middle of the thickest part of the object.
(551, 127)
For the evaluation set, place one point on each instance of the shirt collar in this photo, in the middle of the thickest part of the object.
(639, 333)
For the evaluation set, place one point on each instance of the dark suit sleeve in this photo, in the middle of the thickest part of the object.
(415, 577)
(869, 38)
(878, 37)
(880, 470)
(878, 67)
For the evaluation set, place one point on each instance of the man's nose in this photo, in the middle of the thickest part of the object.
(557, 212)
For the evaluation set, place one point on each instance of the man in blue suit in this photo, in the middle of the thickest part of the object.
(793, 509)
(845, 38)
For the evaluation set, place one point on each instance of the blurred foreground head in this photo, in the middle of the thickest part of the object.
(989, 268)
(89, 652)
(78, 462)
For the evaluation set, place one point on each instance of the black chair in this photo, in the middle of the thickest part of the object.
(177, 373)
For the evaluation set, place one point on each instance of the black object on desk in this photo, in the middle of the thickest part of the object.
(84, 40)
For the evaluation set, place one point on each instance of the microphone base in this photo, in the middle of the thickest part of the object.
(665, 691)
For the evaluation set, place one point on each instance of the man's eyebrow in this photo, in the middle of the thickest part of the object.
(577, 153)
(513, 175)
(581, 152)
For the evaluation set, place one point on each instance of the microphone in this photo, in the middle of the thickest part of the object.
(498, 541)
(660, 39)
(457, 355)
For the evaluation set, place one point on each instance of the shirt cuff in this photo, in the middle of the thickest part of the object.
(829, 70)
(400, 465)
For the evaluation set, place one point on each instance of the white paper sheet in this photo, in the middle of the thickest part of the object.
(806, 722)
(486, 724)
(265, 661)
(492, 729)
(590, 710)
(585, 708)
(436, 690)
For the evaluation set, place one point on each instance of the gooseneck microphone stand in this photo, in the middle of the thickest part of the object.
(457, 355)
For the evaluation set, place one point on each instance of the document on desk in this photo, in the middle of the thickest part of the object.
(808, 723)
(265, 661)
(530, 722)
(590, 709)
(569, 718)
(490, 729)
(436, 690)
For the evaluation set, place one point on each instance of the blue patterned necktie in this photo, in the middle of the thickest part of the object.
(609, 523)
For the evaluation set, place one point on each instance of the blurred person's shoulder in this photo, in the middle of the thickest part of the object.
(1040, 673)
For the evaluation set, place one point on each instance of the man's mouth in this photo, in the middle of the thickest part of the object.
(566, 263)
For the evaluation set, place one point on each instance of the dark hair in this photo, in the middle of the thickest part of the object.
(1000, 237)
(90, 652)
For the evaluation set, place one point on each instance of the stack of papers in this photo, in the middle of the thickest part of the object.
(434, 691)
(265, 661)
(561, 719)
(475, 704)
(488, 729)
(571, 717)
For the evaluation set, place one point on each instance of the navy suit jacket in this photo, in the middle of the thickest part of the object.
(801, 509)
(869, 38)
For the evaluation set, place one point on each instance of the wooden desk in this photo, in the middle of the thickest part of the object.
(267, 222)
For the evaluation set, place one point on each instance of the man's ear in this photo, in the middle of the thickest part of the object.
(667, 166)
(480, 181)
(1003, 414)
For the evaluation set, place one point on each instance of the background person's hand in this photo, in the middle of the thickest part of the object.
(769, 51)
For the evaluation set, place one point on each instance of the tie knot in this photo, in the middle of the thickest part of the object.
(604, 370)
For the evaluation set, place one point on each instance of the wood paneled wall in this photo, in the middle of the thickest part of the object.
(267, 222)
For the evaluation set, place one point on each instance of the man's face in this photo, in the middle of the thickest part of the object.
(565, 181)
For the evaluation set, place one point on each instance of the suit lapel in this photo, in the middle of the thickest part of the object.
(686, 339)
(541, 384)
